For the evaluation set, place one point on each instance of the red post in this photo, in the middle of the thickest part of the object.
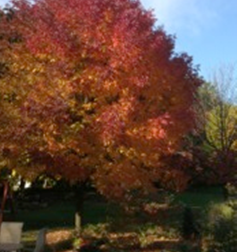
(4, 198)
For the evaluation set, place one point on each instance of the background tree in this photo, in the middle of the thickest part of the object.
(99, 93)
(217, 124)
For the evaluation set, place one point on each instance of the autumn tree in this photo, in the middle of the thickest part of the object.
(221, 119)
(221, 131)
(99, 93)
(217, 124)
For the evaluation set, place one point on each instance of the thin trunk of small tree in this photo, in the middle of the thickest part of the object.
(80, 192)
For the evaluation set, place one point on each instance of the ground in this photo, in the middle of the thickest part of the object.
(110, 229)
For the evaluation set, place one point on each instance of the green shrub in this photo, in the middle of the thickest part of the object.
(222, 228)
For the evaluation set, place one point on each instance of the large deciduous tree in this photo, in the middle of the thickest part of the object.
(98, 91)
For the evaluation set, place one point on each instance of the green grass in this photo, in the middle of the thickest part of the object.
(61, 214)
(201, 196)
(57, 214)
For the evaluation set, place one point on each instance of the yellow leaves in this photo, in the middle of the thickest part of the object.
(3, 163)
(221, 126)
(90, 77)
(88, 106)
(77, 126)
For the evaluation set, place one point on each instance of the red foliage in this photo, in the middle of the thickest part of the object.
(99, 90)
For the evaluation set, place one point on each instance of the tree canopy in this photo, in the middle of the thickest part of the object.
(221, 120)
(93, 89)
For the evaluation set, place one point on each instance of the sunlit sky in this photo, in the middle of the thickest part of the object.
(205, 29)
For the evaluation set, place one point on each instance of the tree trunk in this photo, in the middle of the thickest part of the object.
(80, 192)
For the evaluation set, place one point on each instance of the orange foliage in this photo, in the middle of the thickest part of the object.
(98, 89)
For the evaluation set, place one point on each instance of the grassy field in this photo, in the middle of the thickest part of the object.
(201, 196)
(61, 213)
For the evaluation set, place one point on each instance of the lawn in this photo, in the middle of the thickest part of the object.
(60, 213)
(201, 196)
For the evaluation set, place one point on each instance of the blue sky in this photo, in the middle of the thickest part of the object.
(205, 29)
